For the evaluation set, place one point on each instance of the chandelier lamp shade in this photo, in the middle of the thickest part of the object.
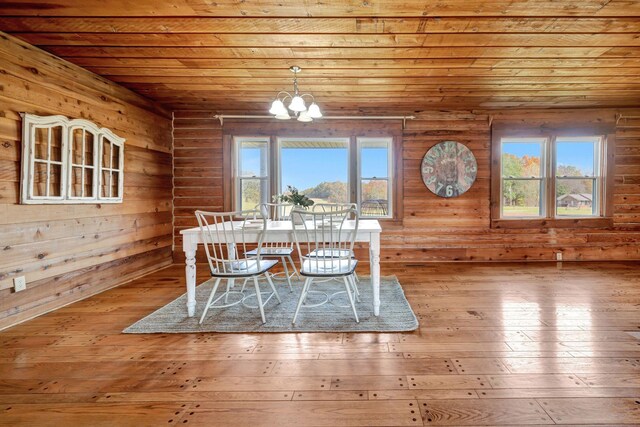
(296, 101)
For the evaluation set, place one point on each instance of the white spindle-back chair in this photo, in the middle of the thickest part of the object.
(227, 254)
(337, 207)
(325, 247)
(276, 249)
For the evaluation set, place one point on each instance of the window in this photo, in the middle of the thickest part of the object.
(253, 172)
(327, 170)
(67, 161)
(554, 177)
(319, 168)
(374, 180)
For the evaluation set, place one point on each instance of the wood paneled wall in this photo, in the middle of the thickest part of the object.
(434, 228)
(68, 252)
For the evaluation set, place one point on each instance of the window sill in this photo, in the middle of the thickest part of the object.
(602, 222)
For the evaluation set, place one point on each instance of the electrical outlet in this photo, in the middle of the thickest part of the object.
(19, 283)
(558, 256)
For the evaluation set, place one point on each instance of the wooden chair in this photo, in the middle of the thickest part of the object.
(279, 250)
(325, 248)
(226, 235)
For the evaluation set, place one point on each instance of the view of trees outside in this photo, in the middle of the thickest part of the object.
(523, 179)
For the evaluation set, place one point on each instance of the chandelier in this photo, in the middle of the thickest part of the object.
(297, 105)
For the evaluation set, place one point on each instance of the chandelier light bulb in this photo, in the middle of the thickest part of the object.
(277, 108)
(304, 117)
(314, 111)
(297, 104)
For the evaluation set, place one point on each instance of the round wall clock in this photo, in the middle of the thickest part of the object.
(449, 169)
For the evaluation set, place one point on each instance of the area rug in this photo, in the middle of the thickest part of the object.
(395, 312)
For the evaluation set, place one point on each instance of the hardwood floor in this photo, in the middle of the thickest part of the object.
(498, 344)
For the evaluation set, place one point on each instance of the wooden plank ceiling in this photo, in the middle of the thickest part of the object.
(370, 56)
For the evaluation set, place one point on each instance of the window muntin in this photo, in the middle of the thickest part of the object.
(577, 176)
(523, 176)
(375, 177)
(318, 167)
(551, 177)
(252, 172)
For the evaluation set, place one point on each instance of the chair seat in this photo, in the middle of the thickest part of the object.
(331, 253)
(266, 252)
(328, 268)
(244, 268)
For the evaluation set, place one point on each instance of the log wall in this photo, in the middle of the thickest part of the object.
(68, 252)
(434, 228)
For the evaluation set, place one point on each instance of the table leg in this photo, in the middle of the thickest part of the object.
(190, 249)
(374, 256)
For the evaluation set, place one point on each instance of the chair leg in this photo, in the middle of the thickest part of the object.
(303, 295)
(353, 305)
(356, 276)
(206, 307)
(259, 297)
(226, 295)
(244, 284)
(295, 270)
(286, 273)
(306, 294)
(273, 288)
(356, 292)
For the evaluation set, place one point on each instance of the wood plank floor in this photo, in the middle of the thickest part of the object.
(499, 344)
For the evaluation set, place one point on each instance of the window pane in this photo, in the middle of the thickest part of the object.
(115, 182)
(318, 168)
(374, 157)
(40, 143)
(375, 197)
(88, 148)
(76, 182)
(104, 185)
(56, 144)
(55, 180)
(116, 157)
(521, 198)
(39, 179)
(522, 157)
(576, 156)
(253, 192)
(76, 146)
(106, 153)
(576, 197)
(253, 159)
(88, 183)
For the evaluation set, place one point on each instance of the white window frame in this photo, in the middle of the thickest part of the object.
(549, 179)
(360, 141)
(31, 122)
(238, 178)
(544, 176)
(598, 156)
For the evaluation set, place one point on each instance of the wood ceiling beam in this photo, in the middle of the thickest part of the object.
(361, 25)
(334, 41)
(347, 53)
(328, 8)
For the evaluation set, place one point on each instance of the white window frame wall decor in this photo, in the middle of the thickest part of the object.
(101, 136)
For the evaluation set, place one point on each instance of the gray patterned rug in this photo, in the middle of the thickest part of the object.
(395, 312)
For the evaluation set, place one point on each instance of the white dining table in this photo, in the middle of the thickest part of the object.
(368, 232)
